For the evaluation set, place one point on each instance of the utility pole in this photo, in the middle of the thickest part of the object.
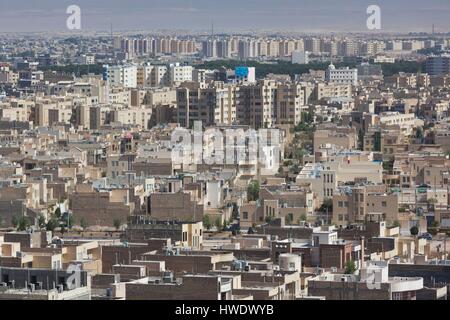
(445, 245)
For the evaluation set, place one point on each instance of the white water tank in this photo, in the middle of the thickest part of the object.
(290, 262)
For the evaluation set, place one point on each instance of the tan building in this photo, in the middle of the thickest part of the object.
(342, 137)
(100, 208)
(356, 203)
(175, 206)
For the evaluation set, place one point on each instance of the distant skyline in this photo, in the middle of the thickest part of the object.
(400, 16)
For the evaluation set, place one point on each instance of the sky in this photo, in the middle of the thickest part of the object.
(227, 15)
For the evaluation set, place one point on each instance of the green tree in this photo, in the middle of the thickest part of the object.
(253, 191)
(236, 231)
(52, 224)
(419, 133)
(67, 220)
(207, 222)
(327, 206)
(298, 154)
(361, 139)
(71, 221)
(303, 217)
(285, 67)
(24, 223)
(15, 221)
(414, 231)
(41, 222)
(396, 224)
(295, 169)
(117, 223)
(83, 223)
(235, 213)
(306, 123)
(57, 213)
(268, 219)
(218, 223)
(350, 267)
(225, 225)
(307, 117)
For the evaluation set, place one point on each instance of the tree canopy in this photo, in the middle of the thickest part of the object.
(253, 191)
(414, 231)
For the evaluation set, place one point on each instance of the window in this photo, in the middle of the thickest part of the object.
(245, 215)
(291, 216)
(396, 296)
(383, 203)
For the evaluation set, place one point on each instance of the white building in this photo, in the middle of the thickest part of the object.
(341, 76)
(159, 76)
(180, 73)
(406, 122)
(300, 57)
(86, 59)
(123, 75)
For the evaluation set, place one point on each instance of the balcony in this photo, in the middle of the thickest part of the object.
(225, 286)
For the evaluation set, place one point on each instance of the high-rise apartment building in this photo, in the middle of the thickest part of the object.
(342, 75)
(438, 65)
(124, 75)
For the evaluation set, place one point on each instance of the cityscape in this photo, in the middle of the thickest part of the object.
(224, 163)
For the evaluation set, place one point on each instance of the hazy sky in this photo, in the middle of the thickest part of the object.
(294, 15)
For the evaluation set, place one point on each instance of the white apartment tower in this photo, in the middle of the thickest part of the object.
(342, 75)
